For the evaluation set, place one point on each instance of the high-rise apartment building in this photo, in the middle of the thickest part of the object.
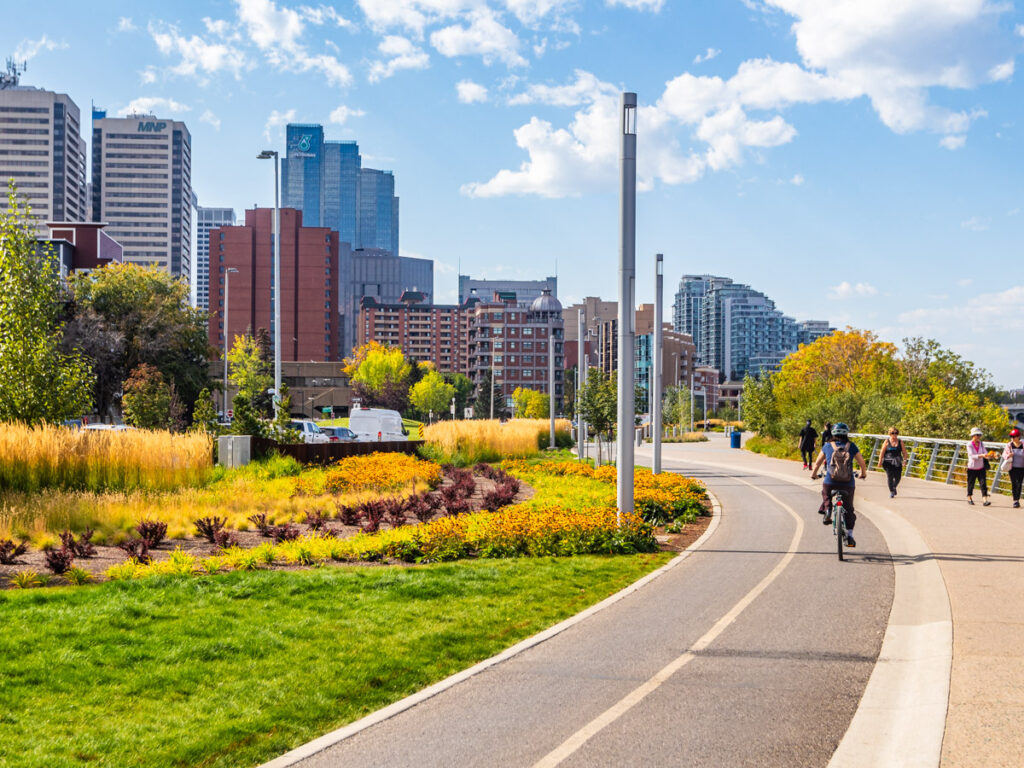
(426, 332)
(688, 308)
(526, 291)
(515, 341)
(207, 219)
(309, 269)
(326, 181)
(41, 148)
(380, 275)
(142, 188)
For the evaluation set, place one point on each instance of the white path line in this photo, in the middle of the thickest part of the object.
(901, 719)
(571, 745)
(328, 740)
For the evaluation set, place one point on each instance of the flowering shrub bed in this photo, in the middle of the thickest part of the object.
(658, 498)
(514, 531)
(376, 472)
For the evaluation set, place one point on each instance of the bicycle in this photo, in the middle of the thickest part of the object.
(836, 504)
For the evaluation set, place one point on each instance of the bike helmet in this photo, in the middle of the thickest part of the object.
(1014, 432)
(840, 430)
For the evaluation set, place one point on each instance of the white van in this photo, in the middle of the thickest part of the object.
(376, 424)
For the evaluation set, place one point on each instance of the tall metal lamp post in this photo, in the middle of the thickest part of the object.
(627, 317)
(227, 332)
(267, 154)
(581, 380)
(656, 354)
(551, 377)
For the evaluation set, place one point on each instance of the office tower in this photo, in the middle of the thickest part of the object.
(378, 274)
(309, 266)
(142, 187)
(326, 181)
(41, 148)
(377, 226)
(526, 291)
(206, 220)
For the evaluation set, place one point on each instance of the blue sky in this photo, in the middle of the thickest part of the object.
(857, 161)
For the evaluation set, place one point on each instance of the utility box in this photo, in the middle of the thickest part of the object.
(234, 450)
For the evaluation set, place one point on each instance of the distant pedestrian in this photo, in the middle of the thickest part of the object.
(808, 436)
(892, 458)
(1013, 462)
(977, 467)
(826, 433)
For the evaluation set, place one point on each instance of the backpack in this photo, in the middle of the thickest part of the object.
(840, 464)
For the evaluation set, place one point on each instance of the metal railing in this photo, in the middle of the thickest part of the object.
(931, 458)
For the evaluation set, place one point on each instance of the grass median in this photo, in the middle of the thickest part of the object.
(234, 669)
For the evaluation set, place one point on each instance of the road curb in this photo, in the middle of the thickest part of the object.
(330, 739)
(901, 719)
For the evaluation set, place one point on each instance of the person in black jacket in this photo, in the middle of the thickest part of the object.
(808, 435)
(826, 433)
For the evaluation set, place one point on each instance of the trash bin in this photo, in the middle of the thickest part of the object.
(734, 439)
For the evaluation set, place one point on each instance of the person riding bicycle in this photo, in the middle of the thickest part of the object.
(838, 458)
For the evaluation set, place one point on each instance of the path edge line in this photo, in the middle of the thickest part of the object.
(321, 743)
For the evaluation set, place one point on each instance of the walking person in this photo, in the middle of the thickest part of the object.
(891, 458)
(977, 467)
(826, 433)
(807, 437)
(1013, 462)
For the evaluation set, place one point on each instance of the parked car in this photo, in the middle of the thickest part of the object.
(107, 427)
(377, 424)
(309, 430)
(338, 434)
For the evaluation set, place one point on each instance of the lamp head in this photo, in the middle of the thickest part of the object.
(266, 154)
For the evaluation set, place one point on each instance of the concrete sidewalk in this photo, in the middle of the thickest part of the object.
(980, 552)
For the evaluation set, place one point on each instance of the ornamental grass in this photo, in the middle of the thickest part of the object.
(34, 458)
(468, 442)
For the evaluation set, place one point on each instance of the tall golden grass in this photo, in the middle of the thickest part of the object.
(35, 458)
(467, 442)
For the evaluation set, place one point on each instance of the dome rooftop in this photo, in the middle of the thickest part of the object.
(546, 303)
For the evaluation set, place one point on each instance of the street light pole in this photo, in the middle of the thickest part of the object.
(581, 380)
(659, 263)
(691, 402)
(266, 155)
(627, 316)
(227, 295)
(492, 376)
(551, 377)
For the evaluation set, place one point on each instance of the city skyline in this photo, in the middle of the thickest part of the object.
(768, 149)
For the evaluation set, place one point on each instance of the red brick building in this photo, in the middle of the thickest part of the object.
(436, 333)
(309, 280)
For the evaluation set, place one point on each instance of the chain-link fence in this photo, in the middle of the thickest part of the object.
(929, 458)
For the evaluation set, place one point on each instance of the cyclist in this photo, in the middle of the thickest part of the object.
(838, 457)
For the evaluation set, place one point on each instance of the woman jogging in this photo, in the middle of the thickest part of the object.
(977, 459)
(1013, 462)
(892, 458)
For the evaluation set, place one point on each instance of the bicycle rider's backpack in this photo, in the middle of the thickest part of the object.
(840, 467)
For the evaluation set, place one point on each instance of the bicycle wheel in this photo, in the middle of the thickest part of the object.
(840, 531)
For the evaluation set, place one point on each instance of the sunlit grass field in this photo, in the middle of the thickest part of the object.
(465, 442)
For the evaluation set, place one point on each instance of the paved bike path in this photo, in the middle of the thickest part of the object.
(776, 686)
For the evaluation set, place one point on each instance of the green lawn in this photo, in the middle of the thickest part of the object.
(233, 669)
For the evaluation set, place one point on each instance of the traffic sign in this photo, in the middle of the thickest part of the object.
(231, 413)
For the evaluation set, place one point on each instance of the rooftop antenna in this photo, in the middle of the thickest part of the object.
(12, 76)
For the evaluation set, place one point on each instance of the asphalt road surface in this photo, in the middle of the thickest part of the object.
(752, 652)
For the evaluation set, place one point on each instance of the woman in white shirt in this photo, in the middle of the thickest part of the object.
(1013, 455)
(976, 473)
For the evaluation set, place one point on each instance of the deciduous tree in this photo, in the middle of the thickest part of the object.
(431, 394)
(147, 398)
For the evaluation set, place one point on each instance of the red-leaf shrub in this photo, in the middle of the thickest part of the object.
(59, 560)
(136, 549)
(224, 539)
(152, 532)
(286, 532)
(208, 526)
(371, 513)
(348, 515)
(83, 547)
(9, 551)
(262, 524)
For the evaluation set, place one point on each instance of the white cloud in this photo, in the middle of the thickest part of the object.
(277, 120)
(585, 89)
(846, 290)
(797, 180)
(976, 223)
(29, 49)
(470, 92)
(711, 53)
(343, 113)
(413, 15)
(197, 57)
(531, 11)
(277, 31)
(953, 142)
(638, 5)
(148, 76)
(998, 313)
(212, 119)
(404, 55)
(323, 14)
(151, 105)
(125, 24)
(485, 37)
(1002, 71)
